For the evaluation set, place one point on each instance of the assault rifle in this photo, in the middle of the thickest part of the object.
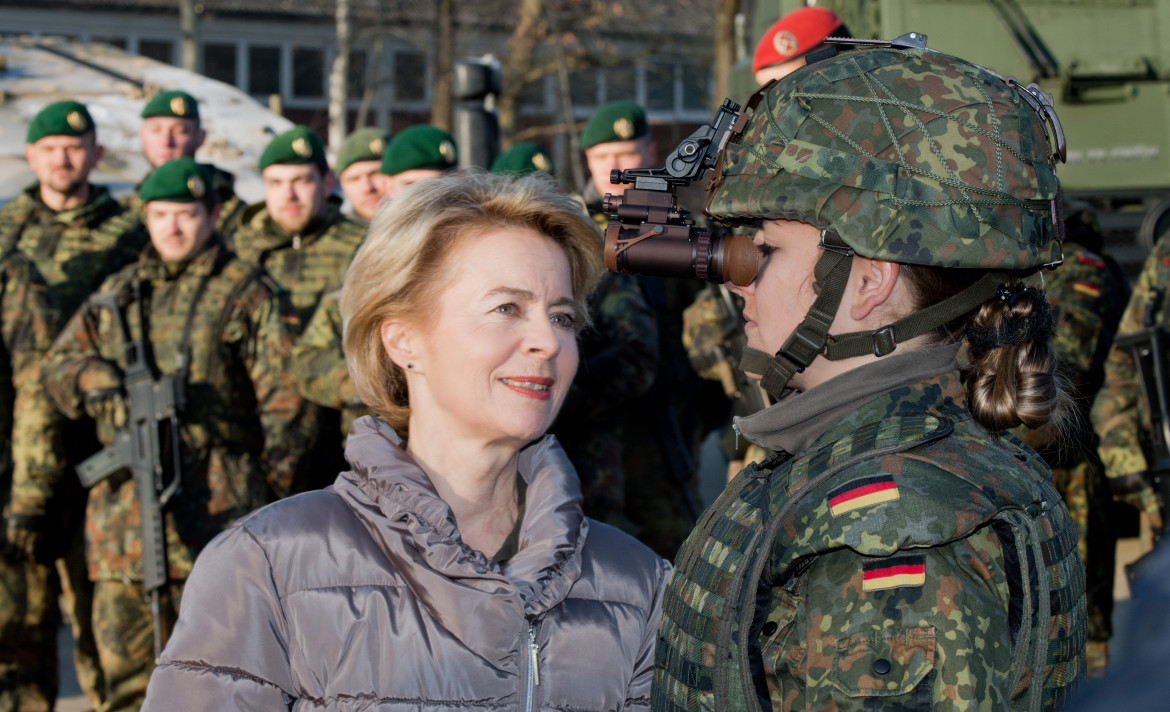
(1149, 350)
(153, 400)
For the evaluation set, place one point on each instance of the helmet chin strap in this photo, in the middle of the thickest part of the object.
(812, 338)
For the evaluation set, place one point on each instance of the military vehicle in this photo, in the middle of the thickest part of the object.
(114, 87)
(1105, 62)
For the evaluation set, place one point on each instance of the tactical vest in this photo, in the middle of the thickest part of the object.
(710, 612)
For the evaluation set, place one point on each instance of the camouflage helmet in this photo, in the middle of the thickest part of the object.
(907, 154)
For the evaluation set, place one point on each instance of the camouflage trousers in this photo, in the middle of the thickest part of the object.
(77, 600)
(124, 631)
(29, 618)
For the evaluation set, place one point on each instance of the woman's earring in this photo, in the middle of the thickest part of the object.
(410, 364)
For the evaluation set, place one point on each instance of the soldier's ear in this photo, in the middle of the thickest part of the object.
(871, 285)
(400, 345)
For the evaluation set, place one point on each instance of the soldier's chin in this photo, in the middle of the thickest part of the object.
(66, 186)
(292, 226)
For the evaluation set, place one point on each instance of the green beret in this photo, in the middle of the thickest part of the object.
(616, 121)
(64, 118)
(522, 159)
(178, 104)
(296, 146)
(179, 181)
(362, 145)
(419, 147)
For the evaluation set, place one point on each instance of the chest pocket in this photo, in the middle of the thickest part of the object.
(887, 663)
(783, 649)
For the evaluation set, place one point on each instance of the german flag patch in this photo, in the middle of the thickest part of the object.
(863, 492)
(1086, 288)
(894, 572)
(1086, 260)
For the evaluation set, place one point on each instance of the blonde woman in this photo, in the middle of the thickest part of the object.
(452, 568)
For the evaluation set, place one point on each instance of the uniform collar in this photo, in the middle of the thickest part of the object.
(201, 264)
(88, 214)
(795, 423)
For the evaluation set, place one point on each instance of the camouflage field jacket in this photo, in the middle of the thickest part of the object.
(74, 249)
(891, 563)
(244, 427)
(307, 264)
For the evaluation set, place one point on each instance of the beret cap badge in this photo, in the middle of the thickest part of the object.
(178, 106)
(624, 128)
(377, 146)
(301, 147)
(447, 151)
(540, 161)
(196, 186)
(76, 121)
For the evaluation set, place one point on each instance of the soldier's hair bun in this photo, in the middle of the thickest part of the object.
(1015, 381)
(1012, 377)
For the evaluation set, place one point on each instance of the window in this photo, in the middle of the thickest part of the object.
(410, 76)
(308, 72)
(160, 50)
(621, 84)
(357, 79)
(533, 95)
(263, 70)
(583, 88)
(659, 86)
(219, 62)
(696, 85)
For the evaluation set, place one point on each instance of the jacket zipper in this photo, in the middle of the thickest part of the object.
(296, 242)
(533, 667)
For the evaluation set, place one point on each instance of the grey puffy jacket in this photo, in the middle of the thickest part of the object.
(363, 597)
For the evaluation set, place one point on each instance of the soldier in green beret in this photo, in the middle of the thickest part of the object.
(358, 163)
(74, 232)
(522, 159)
(300, 236)
(617, 137)
(171, 128)
(219, 325)
(415, 154)
(633, 370)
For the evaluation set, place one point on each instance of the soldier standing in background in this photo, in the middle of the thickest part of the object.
(1120, 417)
(171, 128)
(298, 233)
(31, 467)
(619, 351)
(74, 233)
(318, 366)
(218, 325)
(1088, 295)
(358, 163)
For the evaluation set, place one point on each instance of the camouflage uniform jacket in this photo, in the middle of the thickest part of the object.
(1118, 415)
(886, 565)
(307, 264)
(30, 462)
(244, 428)
(230, 210)
(318, 364)
(74, 249)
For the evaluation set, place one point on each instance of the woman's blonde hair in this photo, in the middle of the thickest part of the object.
(398, 271)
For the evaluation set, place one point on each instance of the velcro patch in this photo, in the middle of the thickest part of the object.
(1086, 288)
(863, 492)
(894, 572)
(1086, 260)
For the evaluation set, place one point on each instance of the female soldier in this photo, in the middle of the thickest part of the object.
(898, 550)
(452, 568)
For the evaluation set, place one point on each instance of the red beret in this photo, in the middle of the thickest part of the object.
(793, 35)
